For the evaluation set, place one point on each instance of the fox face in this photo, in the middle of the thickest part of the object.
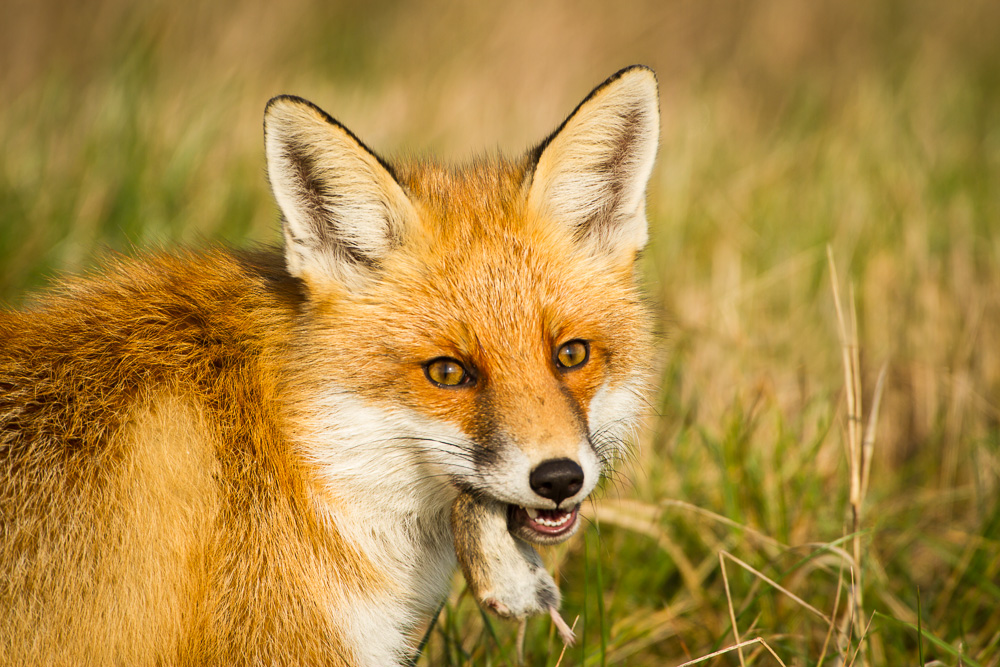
(478, 329)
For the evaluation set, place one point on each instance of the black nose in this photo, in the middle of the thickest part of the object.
(557, 479)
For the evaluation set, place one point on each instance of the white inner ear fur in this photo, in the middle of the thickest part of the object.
(343, 211)
(592, 175)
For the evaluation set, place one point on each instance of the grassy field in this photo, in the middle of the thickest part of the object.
(821, 464)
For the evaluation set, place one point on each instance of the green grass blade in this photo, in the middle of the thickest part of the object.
(940, 643)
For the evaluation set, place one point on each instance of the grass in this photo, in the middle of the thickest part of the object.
(765, 498)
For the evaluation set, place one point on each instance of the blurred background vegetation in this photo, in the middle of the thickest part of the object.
(789, 127)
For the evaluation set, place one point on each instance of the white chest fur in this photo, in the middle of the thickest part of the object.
(389, 472)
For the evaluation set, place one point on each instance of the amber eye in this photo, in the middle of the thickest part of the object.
(446, 372)
(572, 354)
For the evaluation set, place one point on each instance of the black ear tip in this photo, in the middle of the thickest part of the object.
(635, 68)
(535, 153)
(283, 102)
(631, 70)
(280, 103)
(278, 99)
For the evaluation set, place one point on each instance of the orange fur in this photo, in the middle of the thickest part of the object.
(120, 549)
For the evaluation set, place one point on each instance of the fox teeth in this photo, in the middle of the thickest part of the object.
(534, 515)
(553, 524)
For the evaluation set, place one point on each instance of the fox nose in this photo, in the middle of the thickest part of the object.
(557, 479)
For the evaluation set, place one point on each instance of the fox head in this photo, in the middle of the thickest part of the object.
(479, 326)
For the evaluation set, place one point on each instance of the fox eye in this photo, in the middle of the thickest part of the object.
(447, 372)
(572, 354)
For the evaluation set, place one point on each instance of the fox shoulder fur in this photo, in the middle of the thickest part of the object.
(225, 457)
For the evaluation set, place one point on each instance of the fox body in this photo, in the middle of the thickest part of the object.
(226, 457)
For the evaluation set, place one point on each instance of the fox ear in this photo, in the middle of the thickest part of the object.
(591, 173)
(343, 209)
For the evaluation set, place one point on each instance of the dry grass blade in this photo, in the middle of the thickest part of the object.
(643, 520)
(833, 618)
(868, 445)
(757, 573)
(732, 612)
(735, 647)
(566, 645)
(861, 641)
(860, 441)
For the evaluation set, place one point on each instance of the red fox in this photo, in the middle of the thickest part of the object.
(271, 457)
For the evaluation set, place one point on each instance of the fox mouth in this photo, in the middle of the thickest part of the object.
(540, 526)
